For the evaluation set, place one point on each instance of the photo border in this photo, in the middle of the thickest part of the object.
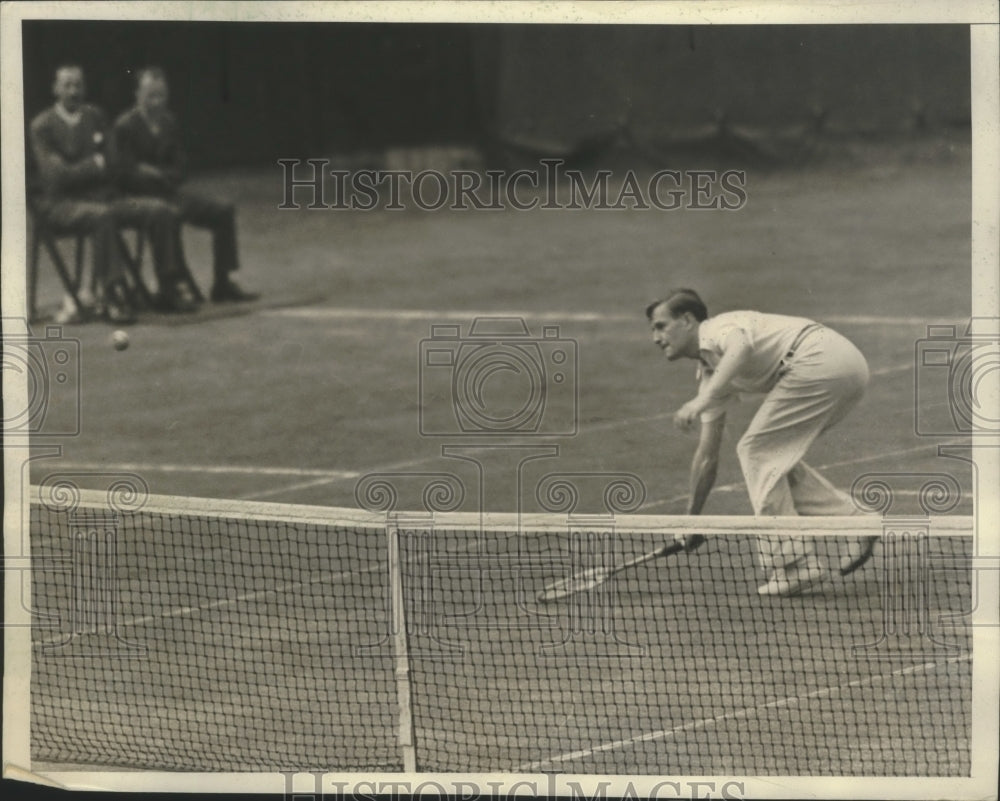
(982, 19)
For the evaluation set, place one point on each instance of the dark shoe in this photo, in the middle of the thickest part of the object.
(858, 553)
(230, 292)
(176, 300)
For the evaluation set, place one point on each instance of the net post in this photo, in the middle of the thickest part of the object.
(396, 523)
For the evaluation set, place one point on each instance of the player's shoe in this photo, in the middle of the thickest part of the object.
(230, 292)
(796, 580)
(858, 553)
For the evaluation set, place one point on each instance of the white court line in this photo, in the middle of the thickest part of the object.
(790, 700)
(901, 493)
(184, 611)
(220, 469)
(326, 313)
(318, 482)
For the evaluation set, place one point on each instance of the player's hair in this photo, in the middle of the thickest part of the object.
(678, 302)
(156, 73)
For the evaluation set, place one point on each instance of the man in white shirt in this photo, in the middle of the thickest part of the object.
(811, 376)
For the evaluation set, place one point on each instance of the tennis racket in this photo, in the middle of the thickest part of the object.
(595, 576)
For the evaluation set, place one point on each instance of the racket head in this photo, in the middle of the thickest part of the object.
(580, 582)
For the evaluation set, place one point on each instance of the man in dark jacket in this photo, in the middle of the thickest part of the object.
(150, 162)
(68, 142)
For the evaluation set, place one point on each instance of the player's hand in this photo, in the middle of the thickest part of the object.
(687, 415)
(99, 161)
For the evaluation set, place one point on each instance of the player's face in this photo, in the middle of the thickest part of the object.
(69, 88)
(674, 335)
(152, 96)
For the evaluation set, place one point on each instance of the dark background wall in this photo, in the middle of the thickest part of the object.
(252, 92)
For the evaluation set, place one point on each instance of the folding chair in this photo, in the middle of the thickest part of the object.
(133, 259)
(47, 236)
(185, 271)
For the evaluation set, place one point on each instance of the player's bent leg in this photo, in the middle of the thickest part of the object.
(813, 494)
(790, 561)
(771, 447)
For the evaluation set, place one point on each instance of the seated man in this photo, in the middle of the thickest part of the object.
(150, 162)
(67, 142)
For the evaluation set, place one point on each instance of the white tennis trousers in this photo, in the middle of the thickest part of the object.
(824, 379)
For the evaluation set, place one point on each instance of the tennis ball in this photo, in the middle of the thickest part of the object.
(119, 339)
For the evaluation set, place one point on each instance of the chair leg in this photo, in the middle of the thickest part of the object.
(81, 244)
(185, 271)
(133, 264)
(60, 265)
(195, 289)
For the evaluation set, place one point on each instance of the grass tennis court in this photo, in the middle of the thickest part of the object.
(312, 393)
(296, 397)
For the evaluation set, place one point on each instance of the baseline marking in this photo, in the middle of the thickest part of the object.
(325, 313)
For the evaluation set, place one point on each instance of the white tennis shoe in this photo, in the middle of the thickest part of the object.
(796, 580)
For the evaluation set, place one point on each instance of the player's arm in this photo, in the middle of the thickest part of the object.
(736, 351)
(705, 463)
(704, 468)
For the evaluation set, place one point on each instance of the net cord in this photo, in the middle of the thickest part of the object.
(536, 523)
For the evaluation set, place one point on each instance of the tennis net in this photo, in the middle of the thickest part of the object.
(219, 636)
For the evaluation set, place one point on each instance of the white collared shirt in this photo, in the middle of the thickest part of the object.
(770, 337)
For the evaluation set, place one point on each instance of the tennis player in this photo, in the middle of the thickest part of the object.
(811, 376)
